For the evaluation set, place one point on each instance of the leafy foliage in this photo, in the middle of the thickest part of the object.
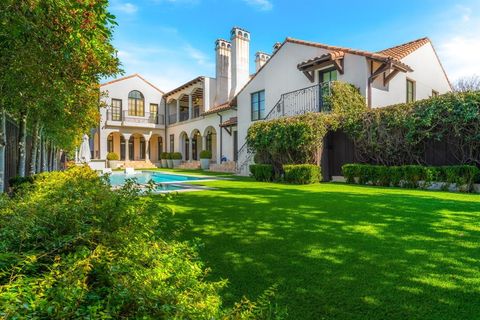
(298, 139)
(176, 156)
(411, 176)
(112, 156)
(206, 154)
(302, 173)
(73, 248)
(399, 134)
(262, 172)
(165, 156)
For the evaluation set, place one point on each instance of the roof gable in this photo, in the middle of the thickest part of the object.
(401, 51)
(135, 75)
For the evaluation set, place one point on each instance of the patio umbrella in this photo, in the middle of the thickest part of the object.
(84, 153)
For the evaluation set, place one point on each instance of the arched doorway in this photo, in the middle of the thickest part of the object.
(156, 147)
(184, 145)
(114, 144)
(196, 139)
(136, 147)
(210, 138)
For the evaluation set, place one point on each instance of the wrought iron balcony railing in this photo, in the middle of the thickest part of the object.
(126, 117)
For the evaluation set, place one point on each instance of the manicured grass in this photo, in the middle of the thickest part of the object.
(339, 251)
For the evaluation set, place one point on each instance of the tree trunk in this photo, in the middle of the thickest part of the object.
(3, 144)
(22, 142)
(44, 155)
(38, 164)
(33, 151)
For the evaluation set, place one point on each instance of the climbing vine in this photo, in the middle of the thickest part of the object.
(299, 139)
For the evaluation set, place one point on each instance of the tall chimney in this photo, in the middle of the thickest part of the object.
(260, 59)
(223, 51)
(240, 59)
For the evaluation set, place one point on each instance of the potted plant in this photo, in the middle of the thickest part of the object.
(170, 160)
(113, 160)
(164, 159)
(205, 157)
(177, 159)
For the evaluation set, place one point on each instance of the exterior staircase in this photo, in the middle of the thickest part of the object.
(302, 101)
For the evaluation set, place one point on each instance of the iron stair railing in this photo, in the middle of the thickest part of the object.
(302, 101)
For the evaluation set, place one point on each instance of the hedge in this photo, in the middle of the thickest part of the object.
(302, 173)
(176, 156)
(165, 156)
(262, 172)
(206, 154)
(112, 156)
(411, 176)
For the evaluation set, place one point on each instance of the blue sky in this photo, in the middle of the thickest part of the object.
(172, 41)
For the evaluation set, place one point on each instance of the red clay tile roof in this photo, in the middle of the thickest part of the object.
(371, 55)
(230, 122)
(129, 77)
(401, 51)
(324, 57)
(222, 107)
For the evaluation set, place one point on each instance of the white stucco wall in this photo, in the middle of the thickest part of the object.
(280, 75)
(120, 90)
(427, 74)
(201, 124)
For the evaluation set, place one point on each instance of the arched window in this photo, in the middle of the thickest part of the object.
(136, 104)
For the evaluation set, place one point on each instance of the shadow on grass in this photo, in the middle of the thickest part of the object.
(339, 251)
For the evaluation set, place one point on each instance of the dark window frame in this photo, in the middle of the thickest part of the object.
(172, 143)
(256, 97)
(413, 93)
(136, 109)
(116, 110)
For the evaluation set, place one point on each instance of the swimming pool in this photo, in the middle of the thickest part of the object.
(165, 181)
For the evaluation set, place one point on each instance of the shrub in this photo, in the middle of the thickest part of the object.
(17, 182)
(112, 156)
(411, 176)
(206, 154)
(262, 172)
(165, 156)
(302, 173)
(74, 248)
(176, 156)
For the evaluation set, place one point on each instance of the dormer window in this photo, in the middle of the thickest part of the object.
(136, 104)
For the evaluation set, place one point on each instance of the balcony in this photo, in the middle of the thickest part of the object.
(148, 120)
(305, 100)
(172, 118)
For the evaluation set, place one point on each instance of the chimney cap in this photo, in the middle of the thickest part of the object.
(222, 43)
(239, 32)
(276, 46)
(261, 54)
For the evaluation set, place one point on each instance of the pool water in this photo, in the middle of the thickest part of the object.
(143, 177)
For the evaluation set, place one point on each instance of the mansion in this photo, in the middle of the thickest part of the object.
(141, 121)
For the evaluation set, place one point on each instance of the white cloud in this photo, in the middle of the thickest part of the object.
(127, 7)
(262, 5)
(458, 43)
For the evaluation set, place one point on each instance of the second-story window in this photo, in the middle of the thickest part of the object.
(258, 105)
(154, 112)
(116, 110)
(410, 90)
(136, 104)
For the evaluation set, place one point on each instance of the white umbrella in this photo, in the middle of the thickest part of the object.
(84, 154)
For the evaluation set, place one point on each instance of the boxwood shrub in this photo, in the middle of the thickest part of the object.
(176, 156)
(411, 176)
(302, 173)
(262, 172)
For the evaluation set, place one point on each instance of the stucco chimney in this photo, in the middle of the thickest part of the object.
(260, 59)
(240, 59)
(223, 51)
(276, 46)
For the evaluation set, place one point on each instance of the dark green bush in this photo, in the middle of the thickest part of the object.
(262, 172)
(165, 156)
(302, 173)
(206, 154)
(176, 156)
(411, 176)
(17, 182)
(72, 248)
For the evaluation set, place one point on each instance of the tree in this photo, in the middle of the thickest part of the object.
(53, 54)
(471, 83)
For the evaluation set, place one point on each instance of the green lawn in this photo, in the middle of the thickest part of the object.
(339, 251)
